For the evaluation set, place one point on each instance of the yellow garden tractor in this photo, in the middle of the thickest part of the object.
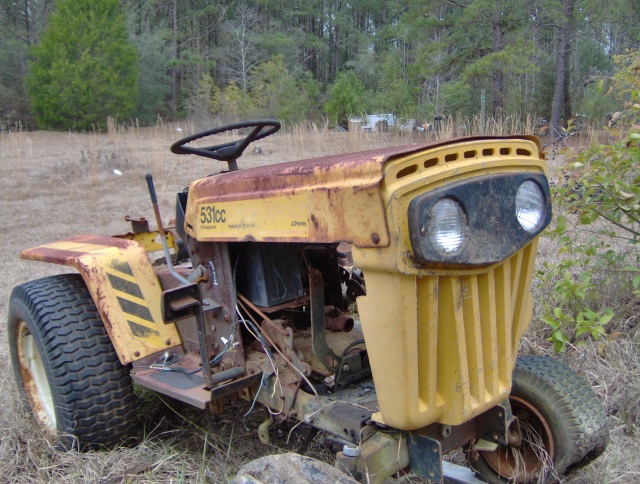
(250, 293)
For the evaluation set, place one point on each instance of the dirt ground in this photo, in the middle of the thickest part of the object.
(58, 185)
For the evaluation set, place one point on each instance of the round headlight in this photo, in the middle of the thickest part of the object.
(447, 225)
(530, 206)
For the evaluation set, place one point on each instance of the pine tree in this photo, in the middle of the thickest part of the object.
(346, 97)
(84, 68)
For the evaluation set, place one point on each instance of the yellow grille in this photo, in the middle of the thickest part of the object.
(483, 316)
(442, 347)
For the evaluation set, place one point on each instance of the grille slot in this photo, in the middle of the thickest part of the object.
(485, 317)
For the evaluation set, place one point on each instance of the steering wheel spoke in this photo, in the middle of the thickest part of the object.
(228, 152)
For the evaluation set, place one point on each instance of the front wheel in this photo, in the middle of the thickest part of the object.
(562, 425)
(65, 365)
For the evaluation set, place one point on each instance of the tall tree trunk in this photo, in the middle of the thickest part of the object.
(562, 57)
(174, 70)
(27, 23)
(336, 41)
(567, 111)
(498, 74)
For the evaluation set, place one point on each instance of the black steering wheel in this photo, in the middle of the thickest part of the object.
(228, 152)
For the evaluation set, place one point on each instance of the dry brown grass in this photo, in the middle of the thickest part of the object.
(57, 185)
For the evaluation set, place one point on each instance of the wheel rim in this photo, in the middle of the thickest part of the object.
(34, 378)
(535, 453)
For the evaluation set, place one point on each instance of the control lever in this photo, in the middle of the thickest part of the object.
(163, 235)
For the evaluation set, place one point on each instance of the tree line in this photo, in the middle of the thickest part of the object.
(68, 64)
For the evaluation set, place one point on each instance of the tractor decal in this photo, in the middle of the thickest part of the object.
(286, 216)
(132, 303)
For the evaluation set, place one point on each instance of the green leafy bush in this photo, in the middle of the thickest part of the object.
(597, 229)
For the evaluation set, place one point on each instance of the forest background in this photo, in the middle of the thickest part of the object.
(299, 60)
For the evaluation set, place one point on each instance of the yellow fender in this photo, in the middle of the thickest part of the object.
(124, 287)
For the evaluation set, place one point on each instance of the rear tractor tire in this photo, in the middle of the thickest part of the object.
(562, 425)
(66, 367)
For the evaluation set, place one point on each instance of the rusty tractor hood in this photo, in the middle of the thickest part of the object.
(320, 200)
(317, 200)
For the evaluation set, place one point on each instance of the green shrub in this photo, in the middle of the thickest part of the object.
(597, 204)
(597, 229)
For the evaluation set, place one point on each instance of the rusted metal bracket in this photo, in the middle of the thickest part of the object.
(178, 303)
(352, 368)
(497, 425)
(318, 337)
(354, 281)
(235, 386)
(283, 337)
(380, 455)
(425, 457)
(186, 301)
(138, 225)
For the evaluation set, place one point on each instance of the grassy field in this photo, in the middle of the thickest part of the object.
(57, 185)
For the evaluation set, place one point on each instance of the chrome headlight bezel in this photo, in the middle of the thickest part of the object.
(493, 231)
